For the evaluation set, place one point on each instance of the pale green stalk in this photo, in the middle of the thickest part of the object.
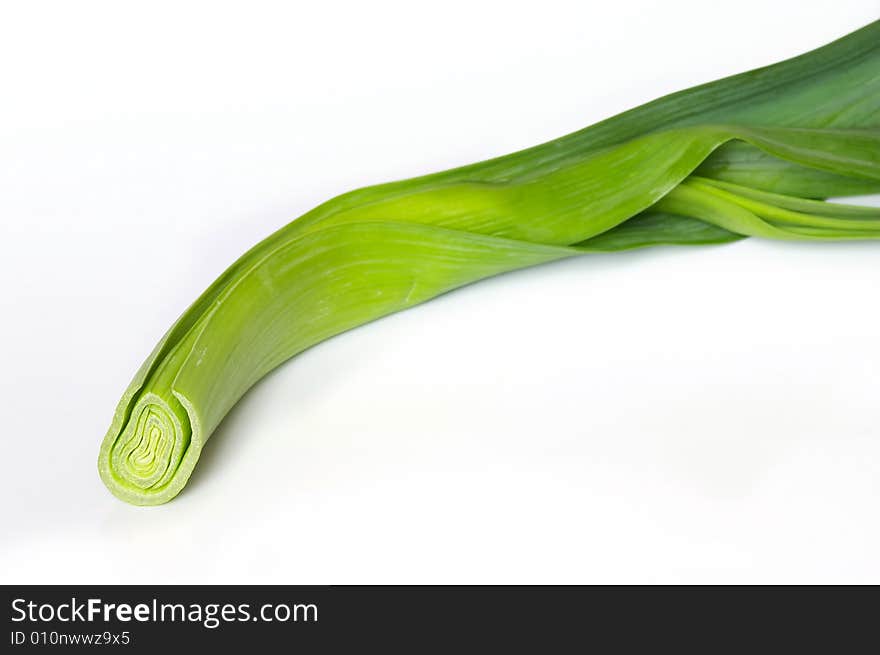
(744, 156)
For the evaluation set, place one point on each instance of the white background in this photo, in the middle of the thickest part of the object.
(673, 415)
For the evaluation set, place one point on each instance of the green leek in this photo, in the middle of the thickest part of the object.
(750, 155)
